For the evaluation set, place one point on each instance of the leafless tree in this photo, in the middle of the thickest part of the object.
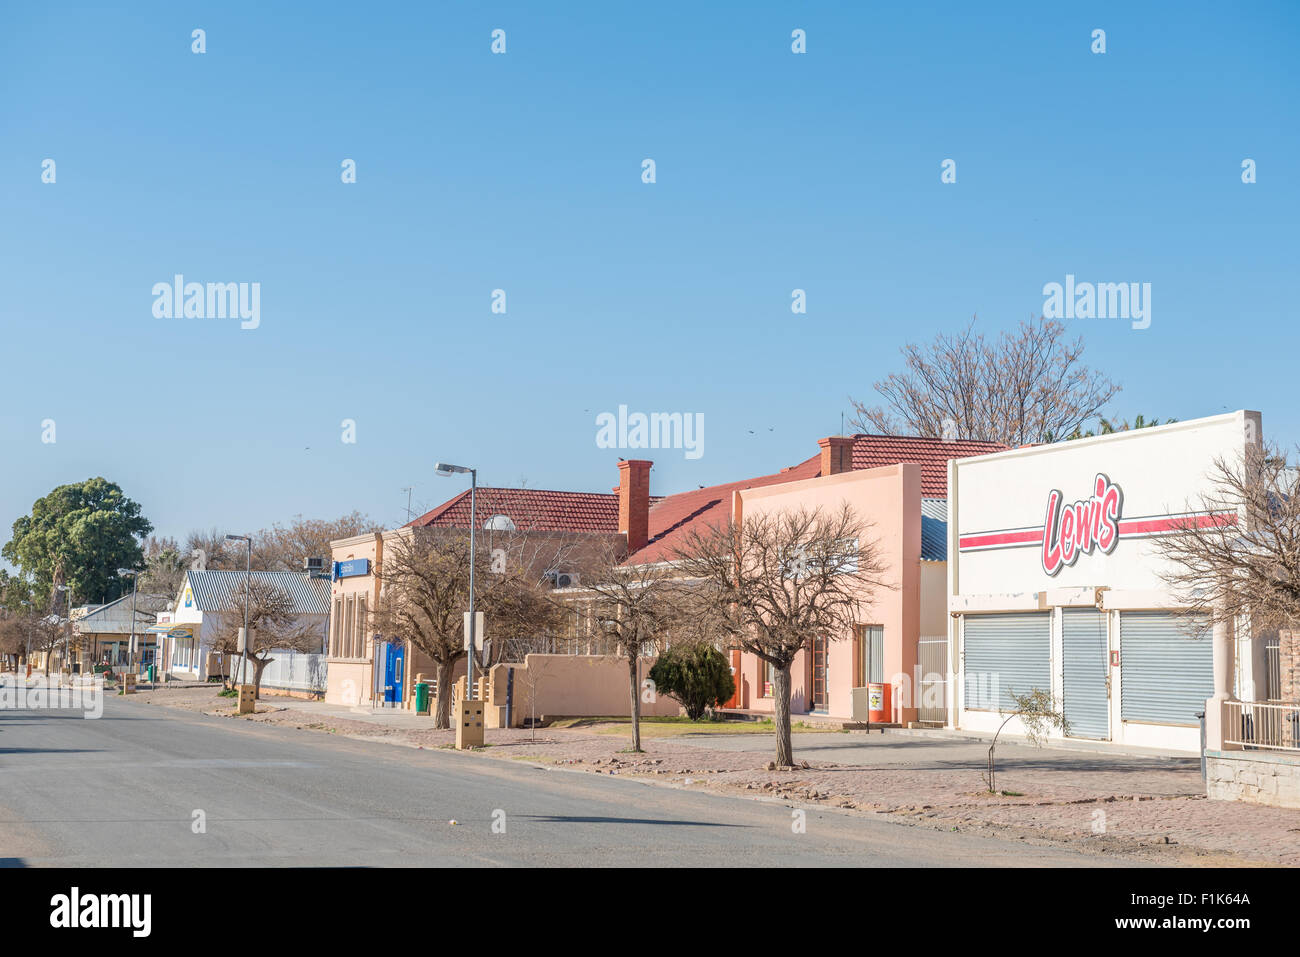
(278, 548)
(1247, 566)
(425, 595)
(273, 624)
(776, 580)
(636, 606)
(1026, 386)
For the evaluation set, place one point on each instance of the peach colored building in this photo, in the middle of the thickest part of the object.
(884, 641)
(899, 485)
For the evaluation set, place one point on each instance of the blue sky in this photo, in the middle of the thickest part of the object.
(522, 172)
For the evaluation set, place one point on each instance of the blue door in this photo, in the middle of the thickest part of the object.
(393, 662)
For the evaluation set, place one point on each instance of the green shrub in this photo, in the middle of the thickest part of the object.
(697, 675)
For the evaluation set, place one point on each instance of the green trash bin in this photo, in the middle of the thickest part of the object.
(151, 674)
(421, 697)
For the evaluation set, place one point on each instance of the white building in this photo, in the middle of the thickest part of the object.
(1054, 583)
(203, 598)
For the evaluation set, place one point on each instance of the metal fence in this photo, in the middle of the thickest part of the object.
(932, 656)
(1273, 727)
(295, 671)
(1272, 669)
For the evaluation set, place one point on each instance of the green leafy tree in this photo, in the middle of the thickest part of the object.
(79, 534)
(696, 675)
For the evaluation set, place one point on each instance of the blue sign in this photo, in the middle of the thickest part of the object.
(351, 568)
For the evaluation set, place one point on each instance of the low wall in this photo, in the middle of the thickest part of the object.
(572, 686)
(1257, 777)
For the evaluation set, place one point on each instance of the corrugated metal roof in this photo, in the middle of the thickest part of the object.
(934, 529)
(213, 589)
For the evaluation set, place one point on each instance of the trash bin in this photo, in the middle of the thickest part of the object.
(422, 697)
(878, 704)
(151, 674)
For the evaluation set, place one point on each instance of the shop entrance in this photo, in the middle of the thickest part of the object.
(394, 661)
(1086, 684)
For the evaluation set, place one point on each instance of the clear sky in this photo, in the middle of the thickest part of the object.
(523, 172)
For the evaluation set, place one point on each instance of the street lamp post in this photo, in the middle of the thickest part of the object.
(67, 640)
(135, 580)
(248, 585)
(442, 468)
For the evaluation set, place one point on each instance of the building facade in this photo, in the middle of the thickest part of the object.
(1056, 584)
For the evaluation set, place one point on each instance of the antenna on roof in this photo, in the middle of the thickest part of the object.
(407, 490)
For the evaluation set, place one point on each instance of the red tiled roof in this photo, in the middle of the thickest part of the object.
(675, 514)
(537, 510)
(872, 451)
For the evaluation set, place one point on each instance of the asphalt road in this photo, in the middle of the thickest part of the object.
(124, 790)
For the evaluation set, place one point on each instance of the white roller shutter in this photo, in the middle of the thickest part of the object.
(1167, 666)
(1083, 642)
(1003, 653)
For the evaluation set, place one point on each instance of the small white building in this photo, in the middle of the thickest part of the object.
(1054, 583)
(205, 595)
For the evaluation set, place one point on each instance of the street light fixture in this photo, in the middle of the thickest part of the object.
(248, 585)
(67, 590)
(135, 581)
(444, 469)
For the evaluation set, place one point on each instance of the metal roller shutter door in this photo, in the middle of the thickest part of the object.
(1166, 665)
(1005, 653)
(1083, 641)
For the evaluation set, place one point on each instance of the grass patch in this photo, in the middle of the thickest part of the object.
(677, 726)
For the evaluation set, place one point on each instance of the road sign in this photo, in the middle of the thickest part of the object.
(478, 631)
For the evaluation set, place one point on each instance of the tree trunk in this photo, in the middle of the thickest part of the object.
(781, 701)
(636, 702)
(259, 665)
(442, 713)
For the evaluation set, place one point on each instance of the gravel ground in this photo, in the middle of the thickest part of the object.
(1153, 810)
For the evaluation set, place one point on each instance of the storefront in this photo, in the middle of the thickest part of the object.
(1055, 582)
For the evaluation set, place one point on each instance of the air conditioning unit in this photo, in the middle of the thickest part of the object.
(314, 564)
(565, 580)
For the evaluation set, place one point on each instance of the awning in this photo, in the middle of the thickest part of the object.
(172, 631)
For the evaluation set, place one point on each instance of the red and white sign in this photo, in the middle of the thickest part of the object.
(1081, 527)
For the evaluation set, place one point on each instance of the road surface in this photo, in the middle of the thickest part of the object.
(131, 788)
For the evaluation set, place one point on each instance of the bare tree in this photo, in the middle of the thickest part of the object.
(426, 594)
(776, 580)
(1026, 386)
(286, 547)
(635, 606)
(280, 548)
(1237, 552)
(273, 624)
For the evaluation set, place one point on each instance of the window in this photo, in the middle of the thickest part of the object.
(868, 655)
(336, 630)
(361, 626)
(349, 622)
(769, 678)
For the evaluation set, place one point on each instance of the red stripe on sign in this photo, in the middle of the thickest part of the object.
(1033, 537)
(1149, 526)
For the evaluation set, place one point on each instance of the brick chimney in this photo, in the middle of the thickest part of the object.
(634, 502)
(837, 454)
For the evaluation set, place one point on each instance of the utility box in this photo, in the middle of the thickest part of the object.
(469, 727)
(247, 702)
(422, 697)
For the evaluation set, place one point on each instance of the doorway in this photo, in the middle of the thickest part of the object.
(820, 696)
